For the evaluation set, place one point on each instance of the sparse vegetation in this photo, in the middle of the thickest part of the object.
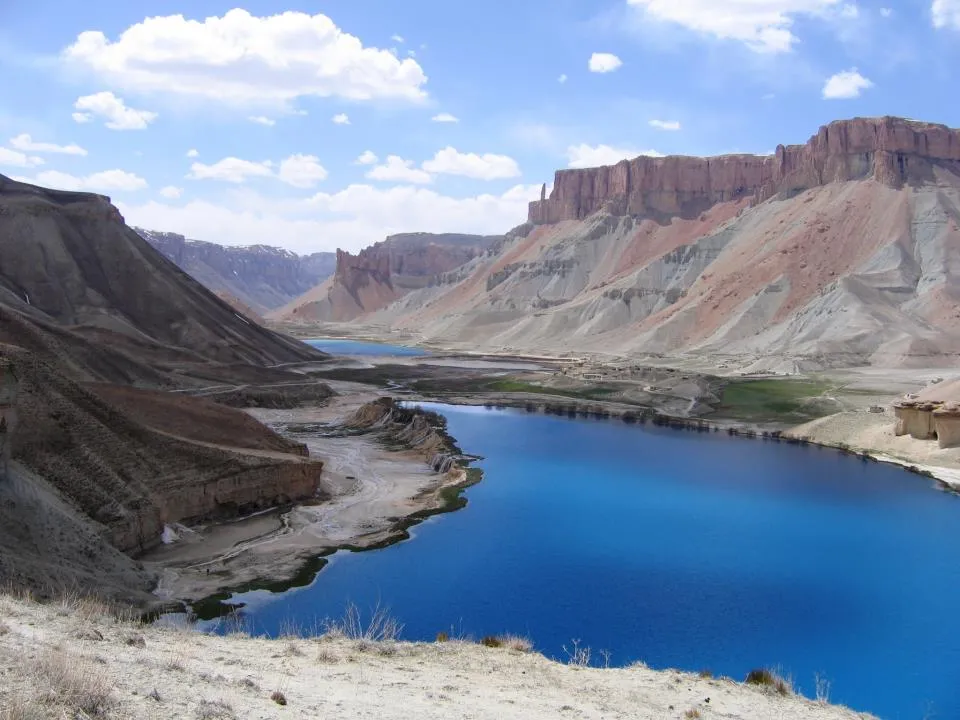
(509, 642)
(442, 637)
(775, 400)
(692, 714)
(278, 697)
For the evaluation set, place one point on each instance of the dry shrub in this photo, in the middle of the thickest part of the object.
(278, 697)
(215, 710)
(692, 714)
(73, 682)
(770, 679)
(508, 642)
(20, 708)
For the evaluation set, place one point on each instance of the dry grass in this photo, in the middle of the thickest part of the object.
(72, 682)
(381, 627)
(692, 714)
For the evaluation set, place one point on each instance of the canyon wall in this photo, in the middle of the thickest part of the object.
(891, 151)
(260, 276)
(383, 273)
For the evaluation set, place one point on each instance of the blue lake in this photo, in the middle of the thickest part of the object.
(681, 549)
(356, 347)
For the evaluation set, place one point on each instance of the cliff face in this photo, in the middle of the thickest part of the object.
(891, 151)
(260, 276)
(383, 273)
(122, 456)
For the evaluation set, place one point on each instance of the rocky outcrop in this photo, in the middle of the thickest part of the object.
(414, 429)
(383, 273)
(929, 420)
(891, 151)
(259, 276)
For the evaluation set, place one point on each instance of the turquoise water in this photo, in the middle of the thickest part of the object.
(356, 347)
(681, 549)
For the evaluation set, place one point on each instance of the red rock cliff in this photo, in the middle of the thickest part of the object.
(890, 150)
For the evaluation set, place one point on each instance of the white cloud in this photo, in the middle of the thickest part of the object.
(171, 192)
(946, 13)
(231, 169)
(247, 60)
(367, 157)
(15, 158)
(849, 12)
(562, 79)
(488, 166)
(585, 156)
(845, 85)
(105, 181)
(445, 118)
(341, 119)
(762, 25)
(665, 124)
(398, 39)
(396, 169)
(113, 111)
(886, 12)
(262, 120)
(352, 218)
(27, 144)
(302, 171)
(604, 62)
(192, 153)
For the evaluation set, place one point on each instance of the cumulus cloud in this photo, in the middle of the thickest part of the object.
(231, 169)
(243, 59)
(562, 79)
(946, 14)
(585, 156)
(846, 85)
(171, 192)
(445, 118)
(192, 153)
(665, 124)
(15, 158)
(396, 169)
(367, 157)
(399, 39)
(262, 120)
(341, 119)
(764, 26)
(302, 171)
(105, 181)
(604, 62)
(352, 218)
(26, 143)
(488, 166)
(112, 110)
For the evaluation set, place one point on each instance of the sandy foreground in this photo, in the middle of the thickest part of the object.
(370, 490)
(73, 660)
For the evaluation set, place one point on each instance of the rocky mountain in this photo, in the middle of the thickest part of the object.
(844, 250)
(94, 468)
(260, 277)
(382, 273)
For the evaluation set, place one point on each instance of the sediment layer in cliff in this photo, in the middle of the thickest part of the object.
(888, 150)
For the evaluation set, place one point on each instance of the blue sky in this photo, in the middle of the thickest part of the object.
(111, 96)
